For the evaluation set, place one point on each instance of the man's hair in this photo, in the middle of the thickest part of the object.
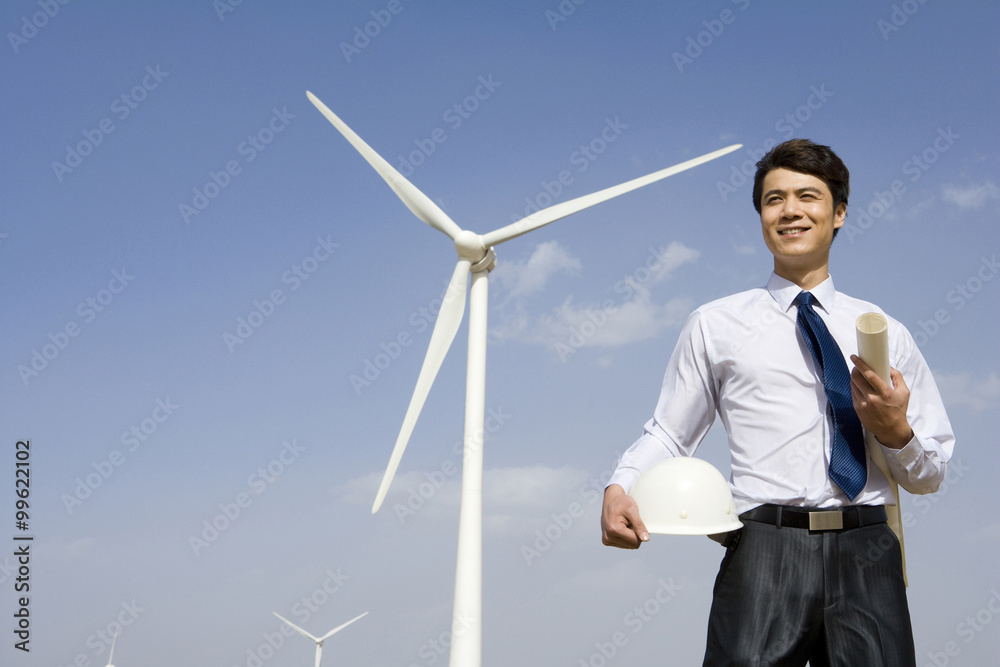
(805, 157)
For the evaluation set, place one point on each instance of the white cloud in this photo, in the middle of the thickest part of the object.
(632, 316)
(962, 389)
(915, 211)
(360, 490)
(516, 500)
(662, 262)
(745, 248)
(594, 326)
(512, 497)
(72, 549)
(521, 279)
(971, 196)
(532, 488)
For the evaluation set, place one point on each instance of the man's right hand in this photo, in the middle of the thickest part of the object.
(620, 523)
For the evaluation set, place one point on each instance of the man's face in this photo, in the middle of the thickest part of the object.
(798, 219)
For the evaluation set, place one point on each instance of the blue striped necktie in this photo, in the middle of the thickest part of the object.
(848, 465)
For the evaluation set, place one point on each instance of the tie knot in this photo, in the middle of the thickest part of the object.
(805, 299)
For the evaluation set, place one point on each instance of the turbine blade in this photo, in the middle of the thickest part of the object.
(295, 627)
(341, 627)
(319, 653)
(558, 211)
(448, 320)
(415, 200)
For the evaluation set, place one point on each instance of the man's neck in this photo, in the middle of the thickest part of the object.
(806, 278)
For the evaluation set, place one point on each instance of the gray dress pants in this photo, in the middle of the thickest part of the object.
(785, 596)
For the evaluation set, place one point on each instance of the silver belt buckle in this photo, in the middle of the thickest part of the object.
(829, 520)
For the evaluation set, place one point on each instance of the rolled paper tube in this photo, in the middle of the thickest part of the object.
(873, 343)
(873, 348)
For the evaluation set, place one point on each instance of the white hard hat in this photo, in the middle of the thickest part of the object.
(685, 496)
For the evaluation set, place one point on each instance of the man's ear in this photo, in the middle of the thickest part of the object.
(840, 215)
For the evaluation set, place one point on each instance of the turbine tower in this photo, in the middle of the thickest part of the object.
(476, 257)
(112, 654)
(319, 640)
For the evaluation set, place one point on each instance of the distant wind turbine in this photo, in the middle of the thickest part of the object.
(477, 257)
(319, 640)
(112, 654)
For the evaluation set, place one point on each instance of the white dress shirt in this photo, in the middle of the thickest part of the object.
(743, 357)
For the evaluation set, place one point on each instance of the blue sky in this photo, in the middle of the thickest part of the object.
(147, 421)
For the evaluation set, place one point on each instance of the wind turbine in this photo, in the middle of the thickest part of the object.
(319, 640)
(476, 257)
(112, 654)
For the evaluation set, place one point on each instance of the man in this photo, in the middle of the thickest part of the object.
(767, 361)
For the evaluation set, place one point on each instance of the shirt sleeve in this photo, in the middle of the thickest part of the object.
(920, 466)
(684, 412)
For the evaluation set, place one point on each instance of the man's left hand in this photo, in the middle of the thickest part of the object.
(881, 407)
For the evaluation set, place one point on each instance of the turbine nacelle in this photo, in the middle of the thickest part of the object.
(470, 247)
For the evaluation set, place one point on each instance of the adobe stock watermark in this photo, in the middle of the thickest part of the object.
(223, 7)
(257, 483)
(8, 568)
(635, 620)
(250, 148)
(562, 12)
(753, 328)
(131, 440)
(301, 611)
(436, 647)
(122, 107)
(418, 495)
(581, 159)
(88, 310)
(703, 39)
(922, 504)
(100, 640)
(363, 34)
(959, 297)
(787, 125)
(883, 200)
(799, 454)
(974, 625)
(598, 317)
(925, 503)
(419, 320)
(264, 309)
(455, 115)
(592, 492)
(899, 17)
(31, 25)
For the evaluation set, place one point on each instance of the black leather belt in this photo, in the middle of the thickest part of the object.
(841, 518)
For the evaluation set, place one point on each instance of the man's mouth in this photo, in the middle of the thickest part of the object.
(792, 230)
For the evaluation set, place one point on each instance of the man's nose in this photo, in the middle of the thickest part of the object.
(791, 208)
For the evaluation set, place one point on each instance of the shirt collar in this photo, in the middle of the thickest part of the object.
(784, 292)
